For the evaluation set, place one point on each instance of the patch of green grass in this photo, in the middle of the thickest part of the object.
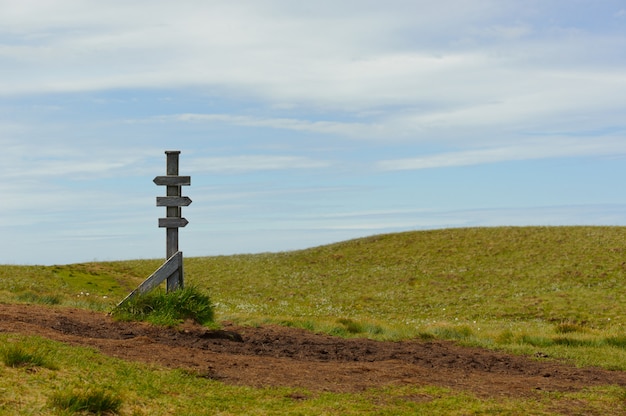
(619, 341)
(15, 354)
(87, 285)
(91, 400)
(568, 327)
(535, 340)
(351, 326)
(505, 337)
(45, 299)
(86, 278)
(576, 342)
(460, 333)
(168, 308)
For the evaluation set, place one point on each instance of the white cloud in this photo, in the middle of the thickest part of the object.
(536, 98)
(548, 148)
(502, 32)
(333, 55)
(251, 163)
(325, 127)
(48, 162)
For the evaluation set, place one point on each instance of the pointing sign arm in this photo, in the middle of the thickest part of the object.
(172, 222)
(172, 180)
(172, 201)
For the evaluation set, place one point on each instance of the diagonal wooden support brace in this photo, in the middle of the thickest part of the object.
(171, 267)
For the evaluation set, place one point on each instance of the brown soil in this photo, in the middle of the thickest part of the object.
(278, 356)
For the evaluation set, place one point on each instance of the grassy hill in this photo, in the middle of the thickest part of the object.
(507, 287)
(560, 291)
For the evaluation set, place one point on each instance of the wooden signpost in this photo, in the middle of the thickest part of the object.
(172, 269)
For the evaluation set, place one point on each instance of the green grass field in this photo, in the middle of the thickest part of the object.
(517, 289)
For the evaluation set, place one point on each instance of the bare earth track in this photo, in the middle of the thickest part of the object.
(277, 356)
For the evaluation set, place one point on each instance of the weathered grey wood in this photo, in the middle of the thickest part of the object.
(173, 211)
(171, 162)
(172, 180)
(170, 267)
(171, 241)
(173, 201)
(175, 281)
(172, 222)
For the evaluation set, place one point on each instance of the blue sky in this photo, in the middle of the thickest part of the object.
(304, 123)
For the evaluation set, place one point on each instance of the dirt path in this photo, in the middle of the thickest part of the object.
(277, 356)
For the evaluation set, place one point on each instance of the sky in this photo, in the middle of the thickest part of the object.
(304, 123)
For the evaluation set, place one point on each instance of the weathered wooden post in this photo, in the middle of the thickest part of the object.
(173, 203)
(172, 269)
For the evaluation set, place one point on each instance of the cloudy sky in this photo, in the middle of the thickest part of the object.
(304, 123)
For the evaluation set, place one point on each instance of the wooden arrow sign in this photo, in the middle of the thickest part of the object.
(172, 222)
(172, 180)
(173, 201)
(172, 269)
